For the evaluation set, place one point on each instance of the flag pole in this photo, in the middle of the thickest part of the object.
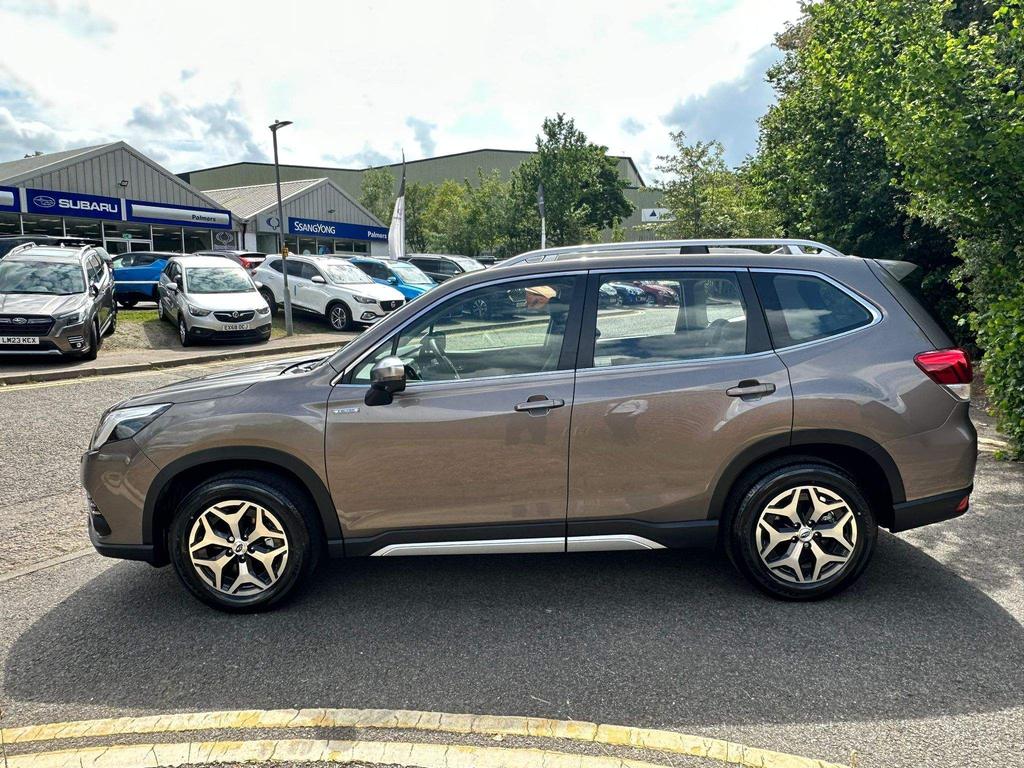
(540, 208)
(396, 233)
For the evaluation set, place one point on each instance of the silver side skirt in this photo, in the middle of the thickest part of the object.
(519, 546)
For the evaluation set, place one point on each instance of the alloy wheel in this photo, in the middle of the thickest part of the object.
(806, 535)
(238, 548)
(339, 317)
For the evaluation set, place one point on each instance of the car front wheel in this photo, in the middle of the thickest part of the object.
(339, 317)
(802, 531)
(184, 333)
(241, 542)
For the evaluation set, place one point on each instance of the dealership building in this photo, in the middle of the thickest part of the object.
(114, 194)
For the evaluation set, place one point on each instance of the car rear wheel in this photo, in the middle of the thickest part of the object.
(127, 303)
(242, 542)
(339, 317)
(802, 531)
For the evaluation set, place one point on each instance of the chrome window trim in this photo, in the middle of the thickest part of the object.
(497, 281)
(877, 314)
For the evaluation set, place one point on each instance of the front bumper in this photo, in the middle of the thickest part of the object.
(60, 340)
(931, 509)
(210, 328)
(116, 478)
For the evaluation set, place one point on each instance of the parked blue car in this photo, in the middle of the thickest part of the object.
(406, 278)
(136, 275)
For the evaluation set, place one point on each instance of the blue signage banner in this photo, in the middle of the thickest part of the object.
(10, 199)
(72, 204)
(316, 228)
(178, 215)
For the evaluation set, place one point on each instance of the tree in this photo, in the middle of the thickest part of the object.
(583, 191)
(377, 193)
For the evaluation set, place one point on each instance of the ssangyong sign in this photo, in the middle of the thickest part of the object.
(54, 203)
(317, 228)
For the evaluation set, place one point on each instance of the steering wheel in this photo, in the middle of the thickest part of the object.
(430, 356)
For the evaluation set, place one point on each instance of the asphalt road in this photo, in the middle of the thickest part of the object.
(919, 664)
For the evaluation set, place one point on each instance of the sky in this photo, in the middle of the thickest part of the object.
(195, 84)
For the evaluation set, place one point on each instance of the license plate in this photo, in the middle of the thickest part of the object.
(19, 340)
(236, 327)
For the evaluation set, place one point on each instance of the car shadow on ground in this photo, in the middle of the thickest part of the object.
(666, 639)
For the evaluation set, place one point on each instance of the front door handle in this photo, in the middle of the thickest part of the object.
(750, 388)
(539, 405)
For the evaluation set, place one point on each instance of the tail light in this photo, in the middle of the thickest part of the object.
(245, 262)
(949, 367)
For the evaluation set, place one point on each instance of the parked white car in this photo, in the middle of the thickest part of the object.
(329, 286)
(211, 298)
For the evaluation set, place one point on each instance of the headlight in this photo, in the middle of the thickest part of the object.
(197, 312)
(75, 317)
(263, 311)
(122, 423)
(365, 300)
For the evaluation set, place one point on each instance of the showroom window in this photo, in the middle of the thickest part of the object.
(307, 246)
(198, 240)
(43, 225)
(167, 239)
(266, 243)
(90, 228)
(118, 230)
(351, 246)
(10, 224)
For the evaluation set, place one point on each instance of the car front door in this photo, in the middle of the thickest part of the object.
(667, 396)
(309, 294)
(475, 450)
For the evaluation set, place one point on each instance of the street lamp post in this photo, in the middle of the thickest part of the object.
(282, 248)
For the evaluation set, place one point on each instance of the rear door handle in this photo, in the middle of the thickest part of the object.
(539, 405)
(749, 388)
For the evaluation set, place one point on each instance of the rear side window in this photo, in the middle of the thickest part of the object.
(802, 308)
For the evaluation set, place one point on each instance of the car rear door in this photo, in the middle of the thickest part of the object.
(476, 449)
(667, 397)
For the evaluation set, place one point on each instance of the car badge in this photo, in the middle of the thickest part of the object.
(235, 313)
(19, 321)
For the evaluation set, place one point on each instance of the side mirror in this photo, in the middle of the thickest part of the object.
(258, 284)
(386, 378)
(318, 279)
(393, 280)
(94, 290)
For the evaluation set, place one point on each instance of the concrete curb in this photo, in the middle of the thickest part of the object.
(177, 362)
(613, 735)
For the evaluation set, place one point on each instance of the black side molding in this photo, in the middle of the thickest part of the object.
(931, 509)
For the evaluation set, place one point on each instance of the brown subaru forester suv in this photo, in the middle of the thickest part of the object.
(782, 406)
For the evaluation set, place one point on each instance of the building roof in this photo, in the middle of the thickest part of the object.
(14, 169)
(246, 202)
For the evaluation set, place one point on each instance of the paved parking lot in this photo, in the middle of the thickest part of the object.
(919, 664)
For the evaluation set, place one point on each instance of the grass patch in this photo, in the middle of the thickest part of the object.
(136, 315)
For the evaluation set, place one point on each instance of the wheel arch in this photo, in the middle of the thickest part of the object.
(867, 461)
(176, 479)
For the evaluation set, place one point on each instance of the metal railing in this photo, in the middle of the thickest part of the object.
(788, 245)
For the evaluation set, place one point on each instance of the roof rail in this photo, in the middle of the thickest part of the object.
(19, 248)
(784, 244)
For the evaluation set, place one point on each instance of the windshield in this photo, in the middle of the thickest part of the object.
(217, 280)
(470, 265)
(345, 273)
(44, 277)
(411, 274)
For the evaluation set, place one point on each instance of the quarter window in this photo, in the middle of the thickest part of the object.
(802, 308)
(500, 330)
(657, 318)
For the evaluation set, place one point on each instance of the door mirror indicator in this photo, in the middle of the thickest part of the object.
(318, 279)
(386, 378)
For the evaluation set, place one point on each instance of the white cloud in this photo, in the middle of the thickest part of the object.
(199, 82)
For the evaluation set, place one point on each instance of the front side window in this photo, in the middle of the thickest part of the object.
(94, 269)
(343, 273)
(498, 330)
(43, 277)
(217, 280)
(657, 318)
(802, 308)
(410, 274)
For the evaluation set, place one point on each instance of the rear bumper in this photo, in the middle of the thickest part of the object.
(931, 509)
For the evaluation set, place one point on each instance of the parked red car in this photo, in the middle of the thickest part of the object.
(657, 293)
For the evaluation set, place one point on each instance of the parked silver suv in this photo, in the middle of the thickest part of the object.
(55, 300)
(780, 406)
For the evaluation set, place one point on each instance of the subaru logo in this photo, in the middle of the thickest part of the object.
(19, 321)
(44, 201)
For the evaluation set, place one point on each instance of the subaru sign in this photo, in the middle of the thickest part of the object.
(316, 228)
(9, 199)
(72, 204)
(178, 215)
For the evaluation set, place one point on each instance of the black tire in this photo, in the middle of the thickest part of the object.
(268, 296)
(478, 309)
(280, 497)
(127, 303)
(755, 493)
(160, 310)
(94, 343)
(339, 317)
(184, 334)
(113, 322)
